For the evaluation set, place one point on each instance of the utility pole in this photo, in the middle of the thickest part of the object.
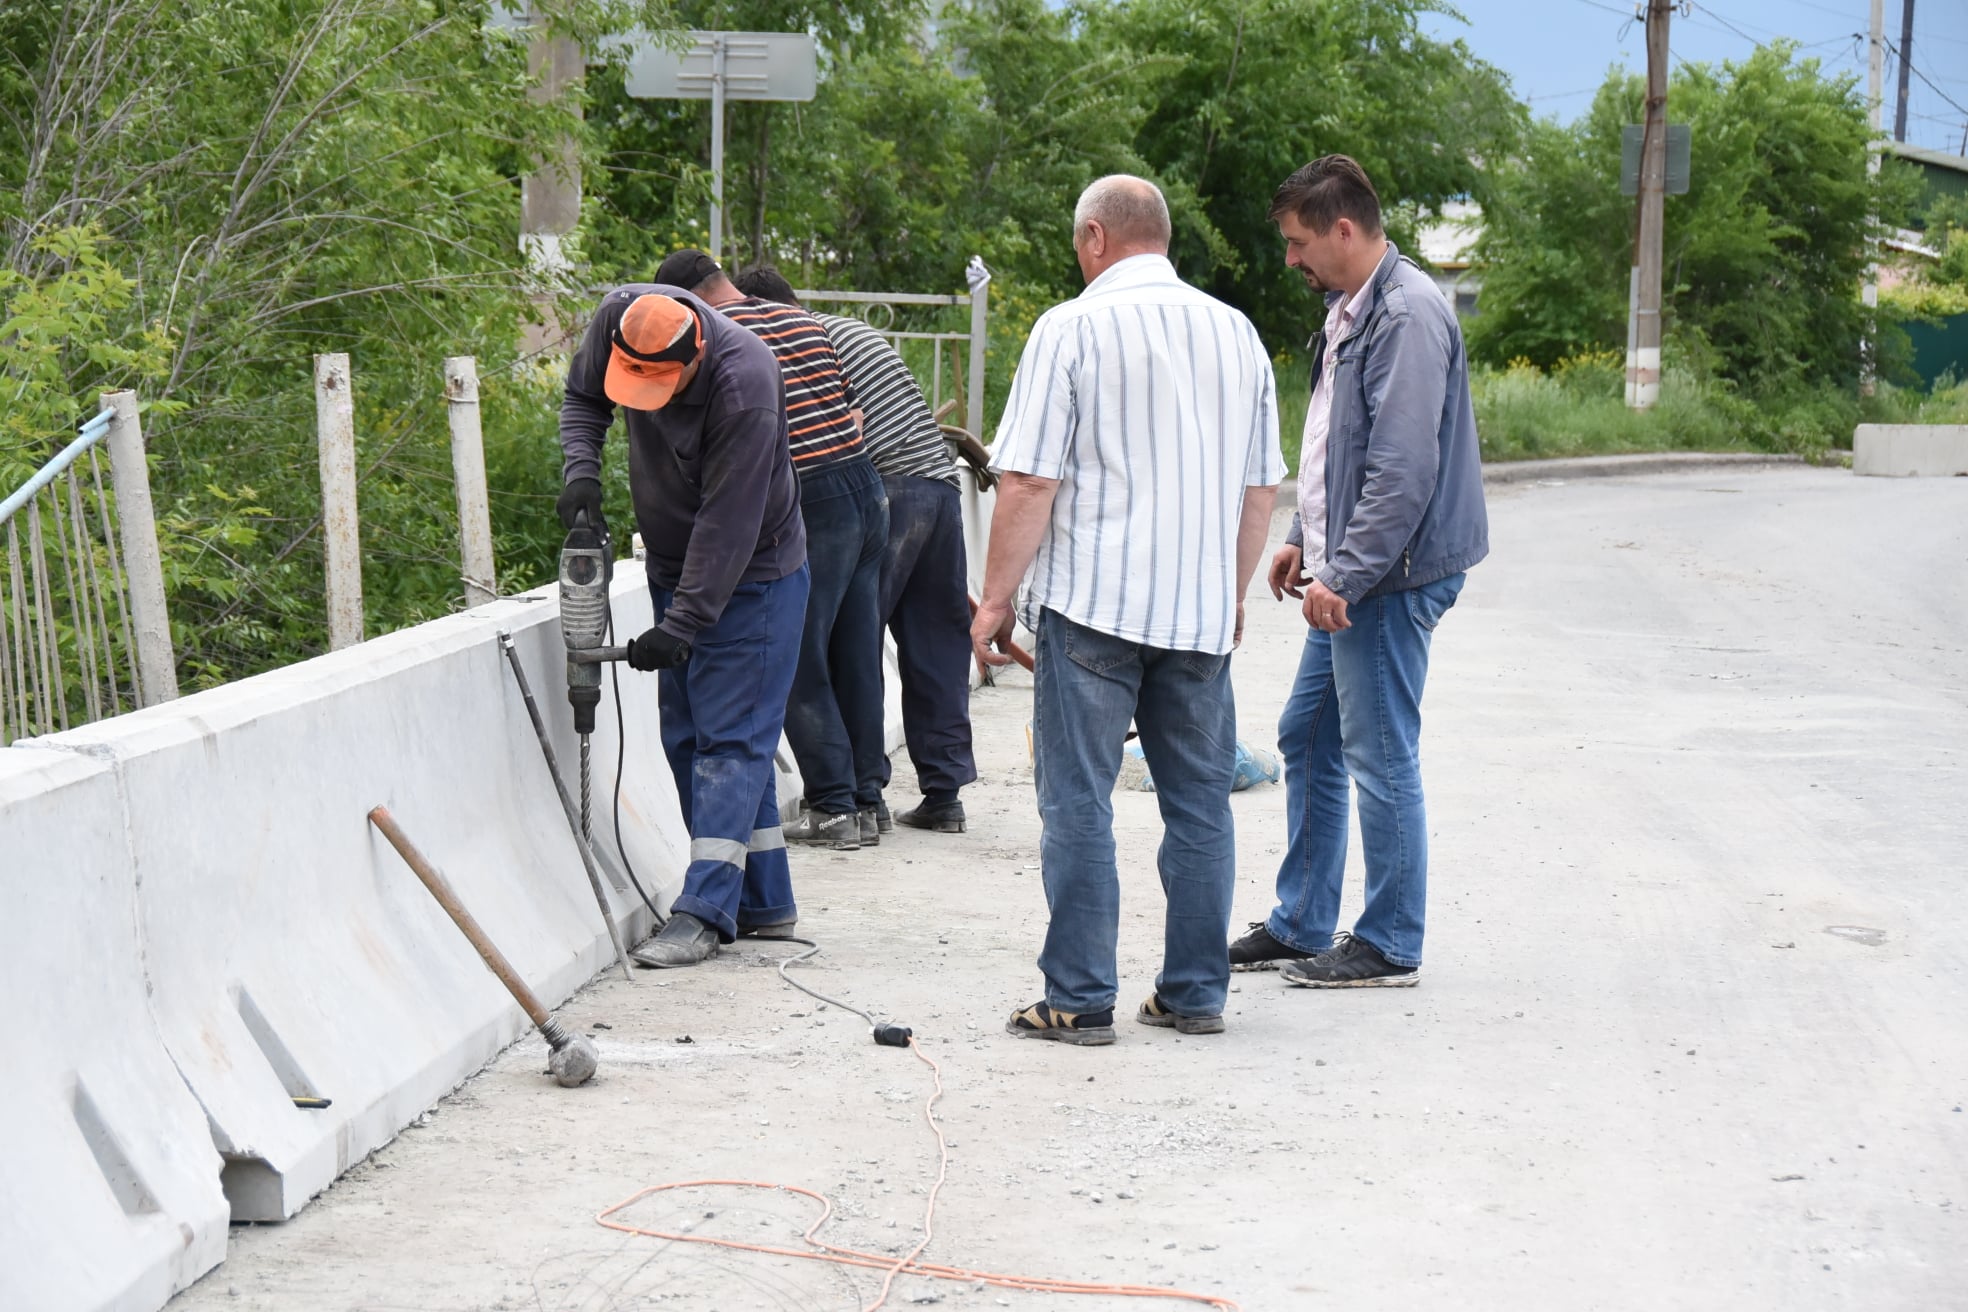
(1643, 355)
(550, 193)
(1906, 68)
(1875, 100)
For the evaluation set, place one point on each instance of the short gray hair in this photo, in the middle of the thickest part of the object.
(1131, 209)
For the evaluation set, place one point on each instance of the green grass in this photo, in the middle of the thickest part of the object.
(1579, 409)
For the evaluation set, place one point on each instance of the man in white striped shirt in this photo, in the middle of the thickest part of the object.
(1139, 455)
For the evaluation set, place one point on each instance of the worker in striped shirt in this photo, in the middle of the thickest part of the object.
(925, 588)
(834, 719)
(1139, 461)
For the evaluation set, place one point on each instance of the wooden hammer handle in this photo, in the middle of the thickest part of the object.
(439, 889)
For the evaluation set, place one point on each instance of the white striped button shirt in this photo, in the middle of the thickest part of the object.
(1154, 406)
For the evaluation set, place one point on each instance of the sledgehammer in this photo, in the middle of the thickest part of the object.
(573, 1059)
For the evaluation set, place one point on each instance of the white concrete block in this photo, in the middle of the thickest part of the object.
(291, 954)
(1910, 450)
(109, 1194)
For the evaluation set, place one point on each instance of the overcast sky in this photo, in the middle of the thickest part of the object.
(1556, 52)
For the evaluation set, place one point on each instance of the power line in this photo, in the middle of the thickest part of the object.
(1915, 70)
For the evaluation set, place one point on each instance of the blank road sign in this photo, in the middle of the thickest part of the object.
(757, 66)
(1677, 159)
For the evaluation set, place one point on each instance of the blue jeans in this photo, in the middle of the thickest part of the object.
(834, 718)
(1354, 715)
(925, 601)
(721, 716)
(1087, 686)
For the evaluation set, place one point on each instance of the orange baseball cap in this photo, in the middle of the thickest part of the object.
(653, 342)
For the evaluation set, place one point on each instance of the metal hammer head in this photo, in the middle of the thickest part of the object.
(572, 1060)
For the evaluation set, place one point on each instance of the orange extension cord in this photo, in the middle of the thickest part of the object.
(907, 1264)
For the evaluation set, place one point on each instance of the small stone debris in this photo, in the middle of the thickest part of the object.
(686, 1039)
(600, 1025)
(1783, 946)
(1785, 1179)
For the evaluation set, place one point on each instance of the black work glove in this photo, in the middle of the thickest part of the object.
(658, 650)
(582, 494)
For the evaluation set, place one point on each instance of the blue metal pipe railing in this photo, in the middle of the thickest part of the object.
(92, 432)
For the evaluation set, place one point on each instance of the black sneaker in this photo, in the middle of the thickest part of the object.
(1257, 950)
(938, 817)
(820, 829)
(1353, 963)
(870, 824)
(1154, 1013)
(1039, 1021)
(884, 822)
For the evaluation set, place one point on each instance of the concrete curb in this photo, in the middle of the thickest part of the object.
(1661, 462)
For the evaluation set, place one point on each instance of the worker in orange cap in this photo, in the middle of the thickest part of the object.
(718, 507)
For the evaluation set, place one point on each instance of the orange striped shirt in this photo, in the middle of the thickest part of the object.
(820, 429)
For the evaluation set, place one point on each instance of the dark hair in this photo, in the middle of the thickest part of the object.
(766, 283)
(688, 268)
(1329, 189)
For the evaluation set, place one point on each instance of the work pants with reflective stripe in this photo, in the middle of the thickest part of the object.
(722, 715)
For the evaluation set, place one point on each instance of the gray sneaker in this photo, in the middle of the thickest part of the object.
(683, 941)
(842, 832)
(870, 827)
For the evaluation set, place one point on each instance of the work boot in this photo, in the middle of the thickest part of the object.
(784, 929)
(842, 832)
(870, 823)
(938, 817)
(683, 941)
(884, 822)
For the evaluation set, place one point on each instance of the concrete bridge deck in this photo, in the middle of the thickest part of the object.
(1691, 1024)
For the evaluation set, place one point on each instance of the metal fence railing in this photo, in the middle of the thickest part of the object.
(81, 588)
(877, 310)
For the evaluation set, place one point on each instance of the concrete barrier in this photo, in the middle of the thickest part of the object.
(290, 955)
(110, 1196)
(240, 989)
(1910, 450)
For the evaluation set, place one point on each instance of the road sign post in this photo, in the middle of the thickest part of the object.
(718, 67)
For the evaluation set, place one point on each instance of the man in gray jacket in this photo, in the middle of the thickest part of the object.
(1391, 515)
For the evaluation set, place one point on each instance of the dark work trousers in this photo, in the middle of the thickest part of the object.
(834, 719)
(925, 602)
(721, 716)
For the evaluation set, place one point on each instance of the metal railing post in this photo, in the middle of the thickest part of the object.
(157, 666)
(468, 470)
(980, 296)
(334, 411)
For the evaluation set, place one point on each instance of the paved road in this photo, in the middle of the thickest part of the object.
(1693, 1024)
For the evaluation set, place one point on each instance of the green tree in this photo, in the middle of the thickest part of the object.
(1260, 87)
(276, 178)
(1762, 258)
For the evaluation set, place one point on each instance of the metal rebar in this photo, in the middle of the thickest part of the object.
(79, 507)
(54, 689)
(116, 576)
(78, 612)
(566, 802)
(6, 670)
(19, 596)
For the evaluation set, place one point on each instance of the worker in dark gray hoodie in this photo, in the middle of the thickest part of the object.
(718, 507)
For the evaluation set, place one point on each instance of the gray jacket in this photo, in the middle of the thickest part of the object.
(1404, 479)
